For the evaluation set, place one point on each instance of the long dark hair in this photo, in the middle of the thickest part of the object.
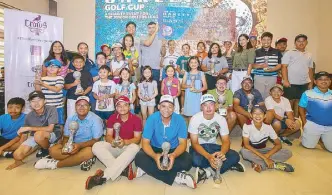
(123, 41)
(239, 46)
(124, 69)
(51, 55)
(194, 58)
(84, 43)
(142, 76)
(219, 50)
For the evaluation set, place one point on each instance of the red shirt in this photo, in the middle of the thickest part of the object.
(128, 127)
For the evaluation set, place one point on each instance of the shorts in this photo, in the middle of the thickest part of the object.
(4, 141)
(149, 103)
(104, 114)
(283, 124)
(30, 141)
(295, 91)
(61, 116)
(312, 132)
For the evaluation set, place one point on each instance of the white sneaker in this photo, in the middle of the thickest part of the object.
(139, 172)
(183, 178)
(46, 163)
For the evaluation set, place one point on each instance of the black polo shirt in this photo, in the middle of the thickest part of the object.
(86, 81)
(273, 59)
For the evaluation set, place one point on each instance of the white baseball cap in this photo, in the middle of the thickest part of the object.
(115, 45)
(86, 98)
(207, 98)
(166, 98)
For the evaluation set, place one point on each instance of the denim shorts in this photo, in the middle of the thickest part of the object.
(32, 143)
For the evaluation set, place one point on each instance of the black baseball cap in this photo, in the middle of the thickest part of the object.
(35, 94)
(281, 40)
(301, 36)
(321, 74)
(258, 107)
(131, 22)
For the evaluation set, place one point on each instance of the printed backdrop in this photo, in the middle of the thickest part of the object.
(182, 20)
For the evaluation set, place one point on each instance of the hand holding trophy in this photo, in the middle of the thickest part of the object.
(68, 147)
(79, 89)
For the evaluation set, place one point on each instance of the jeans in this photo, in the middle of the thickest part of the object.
(232, 157)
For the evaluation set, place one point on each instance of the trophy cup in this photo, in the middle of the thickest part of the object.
(250, 98)
(169, 85)
(116, 128)
(192, 79)
(166, 146)
(266, 61)
(146, 90)
(183, 62)
(125, 88)
(171, 62)
(133, 50)
(102, 104)
(79, 89)
(38, 72)
(221, 101)
(212, 61)
(68, 147)
(217, 176)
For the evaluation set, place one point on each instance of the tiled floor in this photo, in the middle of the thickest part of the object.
(312, 176)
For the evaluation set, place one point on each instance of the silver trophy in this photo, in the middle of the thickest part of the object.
(183, 62)
(133, 50)
(38, 71)
(116, 128)
(73, 127)
(79, 89)
(125, 88)
(217, 176)
(212, 63)
(266, 61)
(250, 98)
(166, 146)
(171, 62)
(169, 86)
(192, 84)
(102, 104)
(221, 102)
(146, 90)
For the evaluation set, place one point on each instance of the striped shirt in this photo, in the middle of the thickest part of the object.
(53, 98)
(272, 57)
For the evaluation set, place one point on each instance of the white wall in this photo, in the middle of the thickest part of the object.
(37, 6)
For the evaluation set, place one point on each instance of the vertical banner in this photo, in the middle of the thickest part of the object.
(28, 37)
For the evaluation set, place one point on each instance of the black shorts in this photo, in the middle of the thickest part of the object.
(295, 91)
(3, 141)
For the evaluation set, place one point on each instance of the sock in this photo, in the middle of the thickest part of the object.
(8, 154)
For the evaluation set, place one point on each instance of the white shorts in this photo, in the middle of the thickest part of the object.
(149, 103)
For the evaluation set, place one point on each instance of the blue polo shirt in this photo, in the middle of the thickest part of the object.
(9, 127)
(242, 96)
(157, 132)
(89, 128)
(318, 106)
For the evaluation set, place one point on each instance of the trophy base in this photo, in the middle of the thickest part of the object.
(223, 111)
(217, 179)
(79, 92)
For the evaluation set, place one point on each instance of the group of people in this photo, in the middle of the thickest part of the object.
(269, 92)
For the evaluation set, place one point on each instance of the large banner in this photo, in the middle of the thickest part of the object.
(217, 19)
(28, 37)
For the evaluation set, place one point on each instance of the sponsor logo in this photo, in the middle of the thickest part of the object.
(36, 25)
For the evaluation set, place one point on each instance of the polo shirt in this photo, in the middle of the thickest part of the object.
(9, 127)
(273, 59)
(318, 106)
(258, 137)
(86, 81)
(49, 116)
(298, 64)
(242, 96)
(158, 133)
(127, 128)
(228, 94)
(91, 127)
(88, 65)
(151, 55)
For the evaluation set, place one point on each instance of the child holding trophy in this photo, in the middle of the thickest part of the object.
(171, 86)
(126, 87)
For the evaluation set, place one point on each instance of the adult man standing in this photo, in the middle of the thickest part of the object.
(116, 153)
(297, 72)
(281, 45)
(38, 129)
(244, 99)
(315, 112)
(204, 128)
(161, 128)
(90, 130)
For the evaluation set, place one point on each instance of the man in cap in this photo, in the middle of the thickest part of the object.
(204, 128)
(297, 71)
(280, 114)
(90, 130)
(39, 129)
(281, 45)
(315, 112)
(117, 157)
(244, 99)
(162, 127)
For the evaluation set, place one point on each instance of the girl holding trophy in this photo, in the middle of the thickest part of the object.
(171, 86)
(126, 88)
(147, 92)
(194, 84)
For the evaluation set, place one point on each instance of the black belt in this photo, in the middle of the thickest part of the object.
(239, 69)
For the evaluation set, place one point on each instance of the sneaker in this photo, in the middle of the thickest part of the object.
(201, 175)
(283, 167)
(128, 172)
(8, 154)
(139, 172)
(95, 180)
(183, 178)
(238, 167)
(45, 163)
(42, 153)
(286, 140)
(94, 159)
(86, 165)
